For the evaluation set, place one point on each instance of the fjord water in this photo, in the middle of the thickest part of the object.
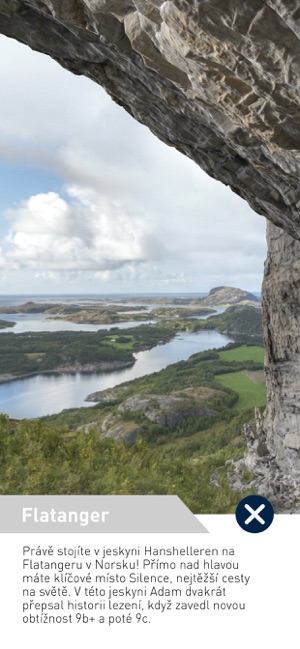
(45, 394)
(40, 395)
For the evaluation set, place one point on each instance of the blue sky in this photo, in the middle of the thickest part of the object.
(92, 202)
(19, 182)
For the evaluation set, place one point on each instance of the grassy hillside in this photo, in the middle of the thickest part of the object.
(249, 385)
(251, 394)
(243, 352)
(36, 459)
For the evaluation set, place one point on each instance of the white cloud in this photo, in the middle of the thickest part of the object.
(129, 209)
(47, 232)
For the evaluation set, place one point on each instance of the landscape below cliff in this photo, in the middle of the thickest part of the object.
(218, 82)
(171, 431)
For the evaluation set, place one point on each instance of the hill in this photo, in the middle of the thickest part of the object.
(227, 295)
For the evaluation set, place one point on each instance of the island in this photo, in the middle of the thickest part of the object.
(61, 352)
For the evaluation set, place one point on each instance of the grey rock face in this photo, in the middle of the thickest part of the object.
(220, 81)
(113, 426)
(169, 409)
(261, 472)
(281, 301)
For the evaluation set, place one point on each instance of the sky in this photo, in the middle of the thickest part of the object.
(92, 202)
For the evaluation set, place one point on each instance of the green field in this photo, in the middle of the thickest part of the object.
(251, 395)
(116, 341)
(244, 353)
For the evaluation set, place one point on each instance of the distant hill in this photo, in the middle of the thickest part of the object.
(227, 295)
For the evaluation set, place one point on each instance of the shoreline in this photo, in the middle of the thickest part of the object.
(100, 368)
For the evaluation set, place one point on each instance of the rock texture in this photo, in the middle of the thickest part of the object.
(281, 301)
(219, 81)
(167, 410)
(115, 427)
(171, 409)
(260, 472)
(273, 441)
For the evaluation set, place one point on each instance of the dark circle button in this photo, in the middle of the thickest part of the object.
(254, 514)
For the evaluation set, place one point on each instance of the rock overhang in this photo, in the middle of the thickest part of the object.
(218, 81)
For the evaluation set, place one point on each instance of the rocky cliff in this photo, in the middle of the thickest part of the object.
(220, 82)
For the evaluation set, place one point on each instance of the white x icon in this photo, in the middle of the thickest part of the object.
(254, 514)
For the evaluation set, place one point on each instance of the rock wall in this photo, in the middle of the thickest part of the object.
(219, 81)
(281, 308)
